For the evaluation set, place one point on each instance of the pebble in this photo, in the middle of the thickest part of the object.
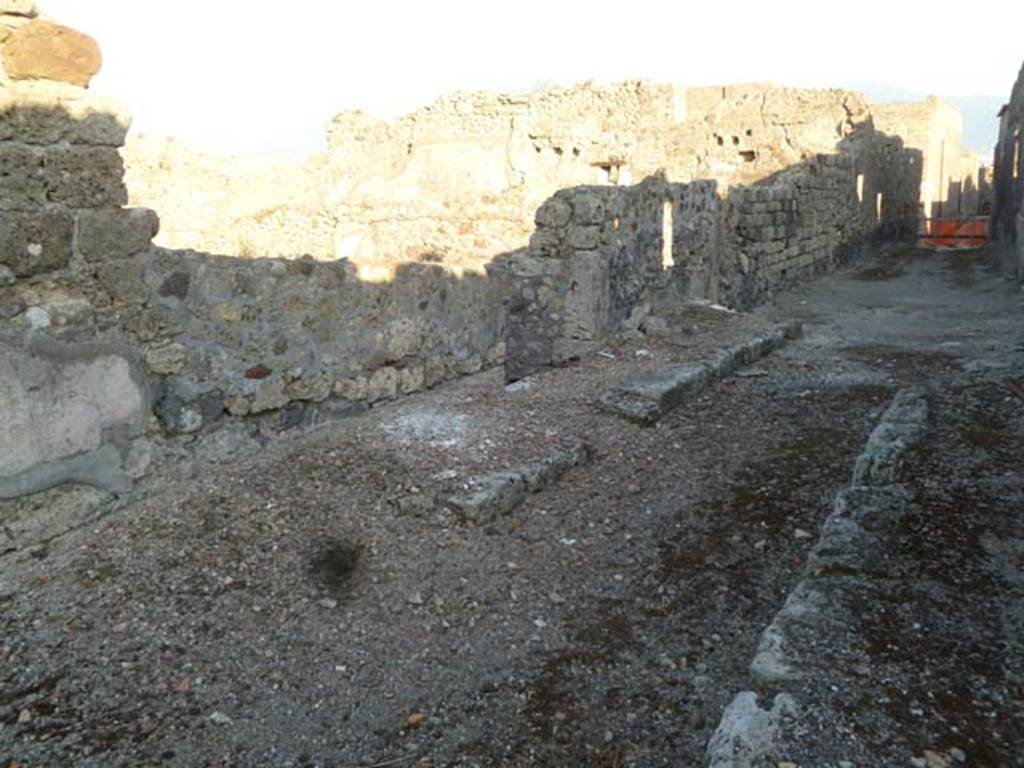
(328, 603)
(934, 759)
(219, 718)
(415, 599)
(958, 754)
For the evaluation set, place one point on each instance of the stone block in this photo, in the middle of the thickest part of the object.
(66, 409)
(269, 395)
(45, 113)
(84, 177)
(165, 357)
(106, 234)
(42, 50)
(21, 178)
(314, 387)
(585, 238)
(34, 242)
(353, 390)
(588, 208)
(383, 384)
(553, 213)
(124, 281)
(412, 379)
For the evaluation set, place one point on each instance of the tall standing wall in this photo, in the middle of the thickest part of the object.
(1008, 221)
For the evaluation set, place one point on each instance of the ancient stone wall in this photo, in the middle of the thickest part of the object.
(1008, 222)
(604, 257)
(116, 355)
(73, 399)
(457, 182)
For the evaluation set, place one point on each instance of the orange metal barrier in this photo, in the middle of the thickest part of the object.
(953, 233)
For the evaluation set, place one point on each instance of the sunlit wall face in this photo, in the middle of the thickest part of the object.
(251, 75)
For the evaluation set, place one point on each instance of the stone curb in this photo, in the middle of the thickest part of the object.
(486, 497)
(645, 398)
(852, 543)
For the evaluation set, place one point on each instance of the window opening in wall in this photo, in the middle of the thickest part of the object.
(667, 259)
(748, 155)
(1016, 154)
(608, 173)
(860, 188)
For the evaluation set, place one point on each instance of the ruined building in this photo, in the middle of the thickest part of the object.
(482, 231)
(1008, 221)
(512, 432)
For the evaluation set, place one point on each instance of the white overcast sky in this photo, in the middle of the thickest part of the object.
(256, 75)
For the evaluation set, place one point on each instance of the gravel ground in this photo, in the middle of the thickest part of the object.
(313, 607)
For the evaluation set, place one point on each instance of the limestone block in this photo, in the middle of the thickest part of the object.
(165, 357)
(411, 379)
(315, 387)
(352, 389)
(107, 234)
(435, 371)
(84, 177)
(404, 337)
(42, 50)
(237, 405)
(269, 395)
(62, 405)
(21, 179)
(471, 364)
(32, 243)
(383, 384)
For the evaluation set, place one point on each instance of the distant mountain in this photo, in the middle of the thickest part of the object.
(981, 126)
